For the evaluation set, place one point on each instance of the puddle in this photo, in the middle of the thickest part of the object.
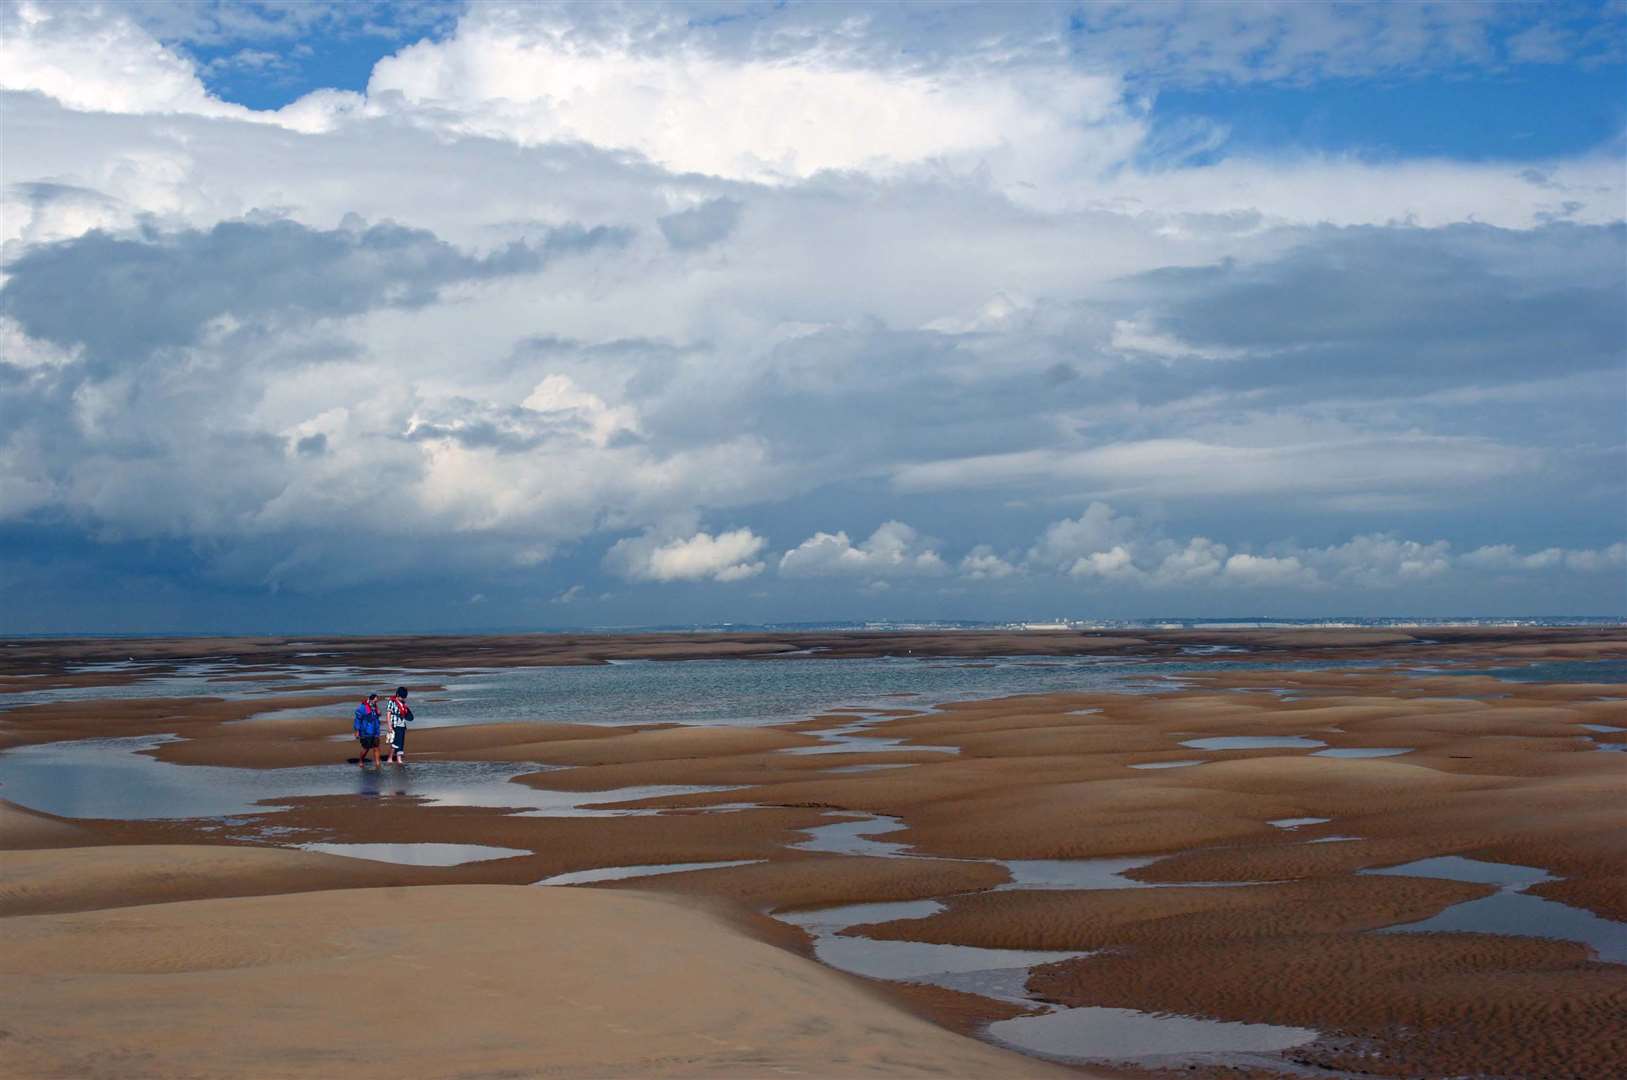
(1603, 729)
(853, 838)
(1101, 1034)
(620, 873)
(1254, 742)
(1296, 822)
(868, 768)
(1509, 911)
(1002, 975)
(906, 961)
(111, 778)
(1073, 873)
(919, 961)
(1168, 764)
(1474, 871)
(1364, 751)
(830, 920)
(1517, 915)
(417, 854)
(855, 738)
(1332, 839)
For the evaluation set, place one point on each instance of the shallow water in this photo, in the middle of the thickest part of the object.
(1474, 871)
(1253, 742)
(1296, 822)
(620, 873)
(1509, 911)
(726, 692)
(1564, 671)
(1517, 915)
(417, 854)
(1101, 1034)
(852, 837)
(856, 738)
(1002, 975)
(1170, 764)
(111, 778)
(1073, 873)
(1364, 751)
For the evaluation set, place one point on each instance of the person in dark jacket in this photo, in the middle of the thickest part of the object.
(400, 717)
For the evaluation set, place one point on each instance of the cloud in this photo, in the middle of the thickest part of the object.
(893, 550)
(701, 226)
(1178, 467)
(983, 564)
(726, 557)
(580, 311)
(1504, 557)
(1267, 571)
(157, 290)
(1103, 545)
(1069, 546)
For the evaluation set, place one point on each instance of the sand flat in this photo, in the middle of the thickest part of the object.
(485, 981)
(1507, 775)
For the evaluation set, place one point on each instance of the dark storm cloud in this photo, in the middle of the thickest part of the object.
(506, 429)
(123, 297)
(1469, 301)
(44, 193)
(701, 226)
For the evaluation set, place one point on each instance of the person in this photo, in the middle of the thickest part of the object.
(367, 729)
(400, 717)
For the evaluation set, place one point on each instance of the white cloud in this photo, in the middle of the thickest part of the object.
(982, 563)
(529, 80)
(1199, 561)
(1267, 571)
(726, 557)
(1069, 546)
(1190, 467)
(1106, 546)
(1579, 560)
(893, 550)
(88, 58)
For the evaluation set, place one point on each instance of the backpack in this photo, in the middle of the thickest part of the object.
(367, 722)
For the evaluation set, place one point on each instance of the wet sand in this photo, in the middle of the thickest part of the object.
(1267, 925)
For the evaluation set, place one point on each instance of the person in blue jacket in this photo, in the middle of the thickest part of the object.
(367, 729)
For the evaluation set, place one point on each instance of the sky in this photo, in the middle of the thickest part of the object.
(395, 317)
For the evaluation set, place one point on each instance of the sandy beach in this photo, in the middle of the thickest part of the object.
(1240, 890)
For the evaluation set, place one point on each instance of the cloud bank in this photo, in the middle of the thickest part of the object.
(628, 308)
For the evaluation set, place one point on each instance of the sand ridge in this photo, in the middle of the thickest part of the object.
(526, 982)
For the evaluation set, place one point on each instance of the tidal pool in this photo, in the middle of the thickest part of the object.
(1364, 751)
(1102, 1034)
(852, 837)
(620, 873)
(417, 854)
(1509, 911)
(112, 778)
(1254, 742)
(1292, 823)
